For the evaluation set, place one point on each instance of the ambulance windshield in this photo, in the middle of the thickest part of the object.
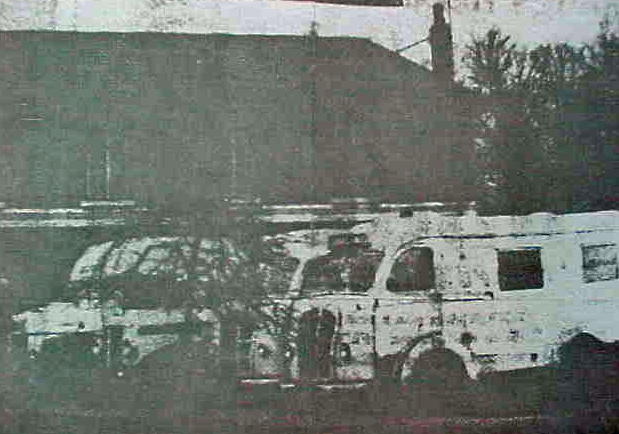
(344, 269)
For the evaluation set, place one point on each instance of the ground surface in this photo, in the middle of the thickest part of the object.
(170, 396)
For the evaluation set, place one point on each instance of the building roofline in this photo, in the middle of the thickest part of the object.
(189, 35)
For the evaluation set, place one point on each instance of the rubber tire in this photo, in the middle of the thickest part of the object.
(439, 368)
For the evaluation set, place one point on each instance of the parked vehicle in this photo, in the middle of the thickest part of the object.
(117, 302)
(393, 297)
(494, 293)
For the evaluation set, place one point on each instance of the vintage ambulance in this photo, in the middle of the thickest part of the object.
(497, 292)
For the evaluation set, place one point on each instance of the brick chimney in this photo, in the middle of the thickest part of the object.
(441, 44)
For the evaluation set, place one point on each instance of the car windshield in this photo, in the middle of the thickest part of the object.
(349, 269)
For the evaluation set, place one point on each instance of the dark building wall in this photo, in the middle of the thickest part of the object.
(38, 262)
(187, 118)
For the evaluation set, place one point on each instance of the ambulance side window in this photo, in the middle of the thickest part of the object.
(520, 269)
(599, 262)
(413, 270)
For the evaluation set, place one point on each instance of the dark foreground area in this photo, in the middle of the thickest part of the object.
(56, 423)
(182, 395)
(545, 401)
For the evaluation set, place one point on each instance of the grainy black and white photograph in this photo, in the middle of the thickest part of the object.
(309, 216)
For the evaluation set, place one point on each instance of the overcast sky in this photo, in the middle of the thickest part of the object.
(529, 21)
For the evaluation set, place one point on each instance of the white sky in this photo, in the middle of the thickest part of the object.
(529, 21)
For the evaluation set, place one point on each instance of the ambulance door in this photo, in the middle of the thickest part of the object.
(335, 328)
(354, 340)
(405, 313)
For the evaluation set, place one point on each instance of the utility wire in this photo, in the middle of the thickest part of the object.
(399, 50)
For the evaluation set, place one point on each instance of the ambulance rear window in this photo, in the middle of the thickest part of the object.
(599, 262)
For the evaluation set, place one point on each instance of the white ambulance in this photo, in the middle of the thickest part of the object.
(498, 292)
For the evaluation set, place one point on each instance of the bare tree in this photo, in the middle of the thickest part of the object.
(208, 259)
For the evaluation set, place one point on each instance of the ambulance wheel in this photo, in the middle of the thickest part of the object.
(588, 375)
(582, 350)
(438, 368)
